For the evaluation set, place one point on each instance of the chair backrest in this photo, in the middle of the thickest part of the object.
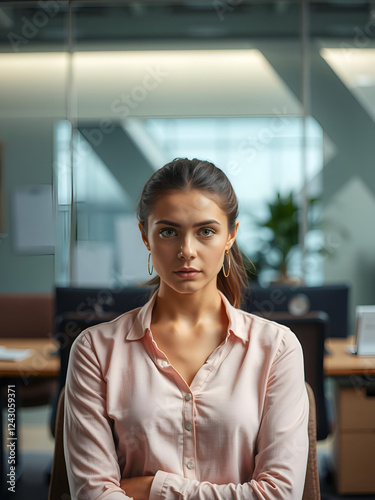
(312, 485)
(59, 485)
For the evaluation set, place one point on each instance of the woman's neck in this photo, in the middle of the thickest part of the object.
(191, 308)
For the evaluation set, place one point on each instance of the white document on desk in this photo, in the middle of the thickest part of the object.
(365, 330)
(7, 354)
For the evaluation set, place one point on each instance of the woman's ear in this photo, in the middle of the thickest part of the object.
(232, 237)
(144, 237)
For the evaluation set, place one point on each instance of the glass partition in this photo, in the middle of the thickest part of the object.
(33, 93)
(280, 95)
(199, 82)
(342, 101)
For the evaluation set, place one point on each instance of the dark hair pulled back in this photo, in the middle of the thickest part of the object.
(184, 174)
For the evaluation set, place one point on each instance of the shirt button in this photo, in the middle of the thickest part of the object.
(164, 364)
(188, 426)
(188, 397)
(190, 464)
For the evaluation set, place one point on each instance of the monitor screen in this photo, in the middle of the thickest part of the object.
(298, 300)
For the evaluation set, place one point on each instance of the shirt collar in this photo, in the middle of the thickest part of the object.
(142, 323)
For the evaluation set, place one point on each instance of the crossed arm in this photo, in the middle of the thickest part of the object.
(137, 487)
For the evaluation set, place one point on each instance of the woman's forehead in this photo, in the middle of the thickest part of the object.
(192, 200)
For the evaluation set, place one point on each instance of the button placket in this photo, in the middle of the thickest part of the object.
(189, 436)
(187, 400)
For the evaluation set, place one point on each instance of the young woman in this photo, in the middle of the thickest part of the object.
(187, 397)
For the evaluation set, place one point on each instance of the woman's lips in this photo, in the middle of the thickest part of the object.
(187, 273)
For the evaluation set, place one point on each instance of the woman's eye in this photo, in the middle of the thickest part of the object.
(206, 232)
(167, 233)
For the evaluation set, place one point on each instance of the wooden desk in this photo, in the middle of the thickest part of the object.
(354, 436)
(39, 364)
(338, 362)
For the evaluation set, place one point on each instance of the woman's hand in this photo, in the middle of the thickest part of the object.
(137, 487)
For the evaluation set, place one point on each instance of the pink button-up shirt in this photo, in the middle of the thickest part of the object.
(239, 431)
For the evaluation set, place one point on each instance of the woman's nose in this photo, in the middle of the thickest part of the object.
(187, 250)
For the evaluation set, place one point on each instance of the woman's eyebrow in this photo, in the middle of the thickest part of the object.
(174, 224)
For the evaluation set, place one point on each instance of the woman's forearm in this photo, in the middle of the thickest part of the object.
(137, 487)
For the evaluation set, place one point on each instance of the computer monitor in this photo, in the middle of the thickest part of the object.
(88, 303)
(298, 300)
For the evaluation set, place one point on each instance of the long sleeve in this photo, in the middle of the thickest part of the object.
(91, 458)
(282, 444)
(238, 431)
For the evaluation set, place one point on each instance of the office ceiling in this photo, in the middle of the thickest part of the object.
(144, 84)
(126, 21)
(27, 26)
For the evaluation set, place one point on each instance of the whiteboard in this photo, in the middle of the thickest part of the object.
(132, 254)
(33, 221)
(93, 264)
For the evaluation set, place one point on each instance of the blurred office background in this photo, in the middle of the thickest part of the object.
(95, 96)
(279, 94)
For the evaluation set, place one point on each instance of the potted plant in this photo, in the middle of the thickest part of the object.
(281, 240)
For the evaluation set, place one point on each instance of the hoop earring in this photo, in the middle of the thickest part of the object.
(148, 265)
(227, 274)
